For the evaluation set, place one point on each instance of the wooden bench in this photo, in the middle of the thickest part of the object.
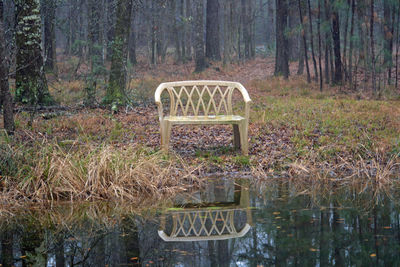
(203, 102)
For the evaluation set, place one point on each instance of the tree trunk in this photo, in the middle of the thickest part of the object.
(175, 31)
(110, 31)
(31, 84)
(183, 30)
(199, 37)
(212, 30)
(282, 42)
(252, 39)
(49, 9)
(336, 46)
(303, 33)
(397, 47)
(300, 68)
(227, 7)
(312, 41)
(95, 51)
(344, 63)
(371, 34)
(115, 93)
(5, 96)
(328, 43)
(271, 22)
(189, 28)
(132, 41)
(319, 46)
(388, 37)
(350, 71)
(293, 40)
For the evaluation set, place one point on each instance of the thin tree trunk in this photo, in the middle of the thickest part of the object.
(388, 37)
(372, 46)
(132, 40)
(175, 32)
(271, 21)
(346, 26)
(336, 46)
(183, 29)
(397, 47)
(5, 96)
(350, 69)
(245, 27)
(50, 35)
(327, 44)
(312, 41)
(300, 68)
(198, 37)
(319, 46)
(189, 29)
(227, 30)
(95, 52)
(304, 41)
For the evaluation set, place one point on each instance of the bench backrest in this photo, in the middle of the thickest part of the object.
(201, 98)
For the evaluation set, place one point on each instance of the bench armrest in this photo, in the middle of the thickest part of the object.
(244, 93)
(157, 98)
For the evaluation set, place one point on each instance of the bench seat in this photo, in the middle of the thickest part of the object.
(220, 119)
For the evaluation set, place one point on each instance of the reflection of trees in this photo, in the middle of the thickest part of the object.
(287, 229)
(343, 230)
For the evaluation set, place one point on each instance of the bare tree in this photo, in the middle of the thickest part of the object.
(371, 36)
(319, 46)
(336, 45)
(212, 30)
(49, 9)
(282, 42)
(303, 33)
(312, 40)
(5, 96)
(198, 37)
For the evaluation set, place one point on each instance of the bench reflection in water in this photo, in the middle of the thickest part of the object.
(206, 220)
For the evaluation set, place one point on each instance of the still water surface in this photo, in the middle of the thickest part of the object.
(229, 223)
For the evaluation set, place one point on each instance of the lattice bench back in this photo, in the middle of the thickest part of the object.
(201, 98)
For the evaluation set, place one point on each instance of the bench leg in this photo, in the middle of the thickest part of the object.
(236, 136)
(165, 128)
(243, 128)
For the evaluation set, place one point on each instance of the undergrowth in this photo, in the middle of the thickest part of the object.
(295, 131)
(86, 172)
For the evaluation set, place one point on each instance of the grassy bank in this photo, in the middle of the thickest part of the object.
(295, 131)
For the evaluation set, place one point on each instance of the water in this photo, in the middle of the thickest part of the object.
(226, 224)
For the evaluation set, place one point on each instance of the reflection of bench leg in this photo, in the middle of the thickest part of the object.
(236, 136)
(243, 138)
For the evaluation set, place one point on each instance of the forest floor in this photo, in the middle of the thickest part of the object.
(295, 131)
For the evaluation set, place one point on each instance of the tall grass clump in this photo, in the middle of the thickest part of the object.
(96, 173)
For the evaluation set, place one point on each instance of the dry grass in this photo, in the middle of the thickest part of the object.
(376, 174)
(95, 173)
